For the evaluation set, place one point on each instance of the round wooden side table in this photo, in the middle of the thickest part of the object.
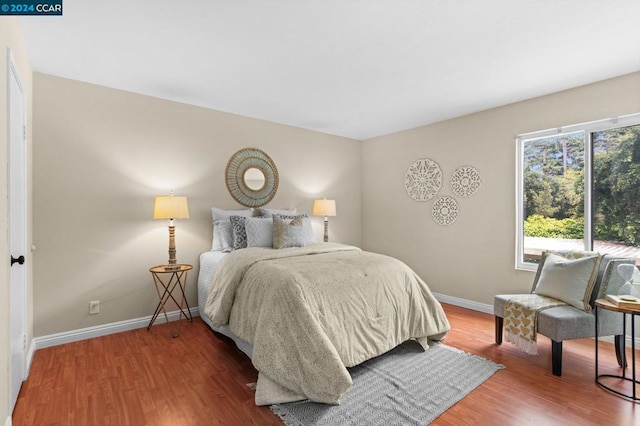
(633, 312)
(165, 281)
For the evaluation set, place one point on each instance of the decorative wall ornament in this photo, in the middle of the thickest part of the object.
(445, 210)
(465, 181)
(251, 177)
(423, 180)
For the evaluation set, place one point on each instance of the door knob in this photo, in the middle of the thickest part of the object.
(19, 260)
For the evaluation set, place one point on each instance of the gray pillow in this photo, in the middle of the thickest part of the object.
(568, 279)
(259, 231)
(310, 237)
(288, 233)
(239, 232)
(222, 231)
(270, 212)
(239, 228)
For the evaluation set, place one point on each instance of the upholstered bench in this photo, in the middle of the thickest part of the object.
(567, 322)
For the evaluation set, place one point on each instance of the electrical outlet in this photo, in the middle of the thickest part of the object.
(94, 307)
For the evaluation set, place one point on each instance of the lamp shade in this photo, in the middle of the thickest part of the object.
(171, 207)
(324, 207)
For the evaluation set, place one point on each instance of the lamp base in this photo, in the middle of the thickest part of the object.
(173, 267)
(326, 229)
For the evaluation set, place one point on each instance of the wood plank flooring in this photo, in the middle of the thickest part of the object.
(145, 377)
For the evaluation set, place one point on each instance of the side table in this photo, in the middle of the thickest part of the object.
(165, 281)
(632, 395)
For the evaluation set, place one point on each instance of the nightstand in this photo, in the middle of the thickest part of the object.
(630, 390)
(166, 282)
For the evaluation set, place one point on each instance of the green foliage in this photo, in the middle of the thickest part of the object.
(539, 226)
(617, 192)
(554, 185)
(554, 175)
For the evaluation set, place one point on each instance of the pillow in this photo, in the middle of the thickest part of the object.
(222, 231)
(569, 280)
(288, 233)
(270, 212)
(259, 231)
(306, 224)
(239, 231)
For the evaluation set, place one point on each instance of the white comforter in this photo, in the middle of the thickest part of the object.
(311, 312)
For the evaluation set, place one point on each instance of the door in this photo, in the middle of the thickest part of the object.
(17, 229)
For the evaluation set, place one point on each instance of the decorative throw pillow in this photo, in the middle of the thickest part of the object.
(238, 225)
(222, 231)
(259, 231)
(310, 237)
(569, 280)
(270, 212)
(288, 233)
(239, 232)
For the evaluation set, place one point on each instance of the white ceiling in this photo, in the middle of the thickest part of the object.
(355, 68)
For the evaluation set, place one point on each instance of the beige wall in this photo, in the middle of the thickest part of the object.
(11, 39)
(101, 155)
(474, 258)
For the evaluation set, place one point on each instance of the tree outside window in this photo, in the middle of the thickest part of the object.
(580, 189)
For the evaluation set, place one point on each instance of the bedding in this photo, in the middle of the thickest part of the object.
(222, 229)
(209, 261)
(259, 231)
(309, 235)
(288, 233)
(311, 312)
(265, 212)
(239, 230)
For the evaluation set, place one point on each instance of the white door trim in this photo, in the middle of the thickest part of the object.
(17, 222)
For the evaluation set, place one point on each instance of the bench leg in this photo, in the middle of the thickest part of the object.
(499, 324)
(556, 358)
(620, 354)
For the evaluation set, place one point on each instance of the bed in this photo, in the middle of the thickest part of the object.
(208, 263)
(306, 314)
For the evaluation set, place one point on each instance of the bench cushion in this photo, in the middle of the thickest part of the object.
(566, 322)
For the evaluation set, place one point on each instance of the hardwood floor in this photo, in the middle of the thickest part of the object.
(145, 377)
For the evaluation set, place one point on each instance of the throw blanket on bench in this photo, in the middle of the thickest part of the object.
(521, 317)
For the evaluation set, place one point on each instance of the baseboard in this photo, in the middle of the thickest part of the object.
(99, 330)
(116, 327)
(30, 352)
(464, 303)
(132, 324)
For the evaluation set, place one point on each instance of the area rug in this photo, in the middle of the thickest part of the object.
(405, 386)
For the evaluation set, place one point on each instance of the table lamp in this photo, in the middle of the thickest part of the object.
(171, 207)
(325, 208)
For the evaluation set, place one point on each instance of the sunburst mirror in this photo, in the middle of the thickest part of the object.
(251, 177)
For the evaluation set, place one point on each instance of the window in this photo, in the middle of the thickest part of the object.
(579, 188)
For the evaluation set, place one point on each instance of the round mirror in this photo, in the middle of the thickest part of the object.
(254, 178)
(251, 177)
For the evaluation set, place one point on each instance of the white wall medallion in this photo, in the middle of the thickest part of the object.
(445, 210)
(465, 181)
(423, 180)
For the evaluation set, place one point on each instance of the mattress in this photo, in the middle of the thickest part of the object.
(209, 261)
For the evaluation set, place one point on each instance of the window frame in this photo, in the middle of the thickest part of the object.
(588, 128)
